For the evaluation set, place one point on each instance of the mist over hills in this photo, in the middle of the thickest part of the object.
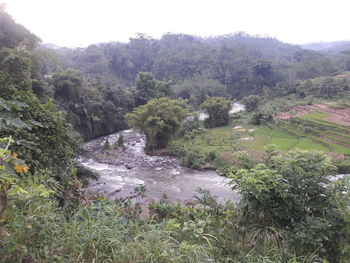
(333, 47)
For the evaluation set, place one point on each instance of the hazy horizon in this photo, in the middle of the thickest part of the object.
(81, 23)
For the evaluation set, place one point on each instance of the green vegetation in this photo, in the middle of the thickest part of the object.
(251, 102)
(218, 110)
(158, 120)
(281, 138)
(147, 88)
(273, 197)
(308, 224)
(52, 99)
(197, 89)
(120, 142)
(315, 115)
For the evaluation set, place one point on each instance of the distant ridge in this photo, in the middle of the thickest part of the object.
(333, 47)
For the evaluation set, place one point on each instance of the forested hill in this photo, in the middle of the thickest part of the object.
(335, 47)
(245, 64)
(96, 86)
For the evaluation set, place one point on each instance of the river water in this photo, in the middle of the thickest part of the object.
(124, 169)
(236, 107)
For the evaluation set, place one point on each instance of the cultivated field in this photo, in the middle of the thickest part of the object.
(318, 127)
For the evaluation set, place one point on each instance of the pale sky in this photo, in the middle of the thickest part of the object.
(84, 22)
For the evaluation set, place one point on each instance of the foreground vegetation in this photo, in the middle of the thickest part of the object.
(290, 209)
(277, 220)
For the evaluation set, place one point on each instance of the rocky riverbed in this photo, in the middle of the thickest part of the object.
(128, 167)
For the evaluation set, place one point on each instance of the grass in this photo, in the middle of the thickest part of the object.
(339, 134)
(315, 115)
(225, 138)
(261, 137)
(333, 131)
(307, 132)
(338, 139)
(335, 147)
(282, 139)
(307, 144)
(315, 120)
(108, 231)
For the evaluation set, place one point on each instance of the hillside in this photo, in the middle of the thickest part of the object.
(245, 64)
(335, 47)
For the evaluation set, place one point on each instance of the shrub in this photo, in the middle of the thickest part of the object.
(106, 145)
(84, 174)
(192, 158)
(292, 191)
(120, 142)
(344, 167)
(259, 118)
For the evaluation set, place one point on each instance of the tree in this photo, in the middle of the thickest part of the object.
(147, 88)
(251, 102)
(198, 88)
(13, 34)
(218, 110)
(120, 142)
(106, 145)
(68, 85)
(158, 120)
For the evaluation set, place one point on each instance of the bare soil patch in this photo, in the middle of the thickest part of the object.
(295, 112)
(338, 116)
(335, 142)
(247, 139)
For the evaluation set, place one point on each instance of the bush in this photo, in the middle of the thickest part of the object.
(106, 145)
(120, 142)
(193, 158)
(84, 174)
(259, 118)
(344, 167)
(292, 191)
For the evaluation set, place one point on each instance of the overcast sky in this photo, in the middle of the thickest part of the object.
(83, 22)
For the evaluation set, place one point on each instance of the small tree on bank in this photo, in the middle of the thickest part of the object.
(106, 145)
(120, 142)
(159, 120)
(251, 102)
(218, 110)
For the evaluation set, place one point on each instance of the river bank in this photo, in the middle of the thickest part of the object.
(128, 167)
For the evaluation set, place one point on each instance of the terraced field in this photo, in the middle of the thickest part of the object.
(323, 125)
(284, 139)
(315, 128)
(336, 137)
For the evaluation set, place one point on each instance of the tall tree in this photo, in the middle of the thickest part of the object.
(158, 120)
(218, 110)
(147, 88)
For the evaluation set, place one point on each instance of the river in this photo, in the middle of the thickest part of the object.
(236, 107)
(124, 169)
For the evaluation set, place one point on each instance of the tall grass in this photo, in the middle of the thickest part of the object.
(107, 231)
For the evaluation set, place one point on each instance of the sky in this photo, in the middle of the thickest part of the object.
(75, 23)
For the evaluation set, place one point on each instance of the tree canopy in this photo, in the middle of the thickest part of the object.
(158, 120)
(218, 110)
(147, 88)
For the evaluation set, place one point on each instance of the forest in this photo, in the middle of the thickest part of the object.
(293, 205)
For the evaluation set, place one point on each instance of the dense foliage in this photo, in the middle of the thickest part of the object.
(276, 221)
(292, 209)
(158, 120)
(240, 63)
(218, 110)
